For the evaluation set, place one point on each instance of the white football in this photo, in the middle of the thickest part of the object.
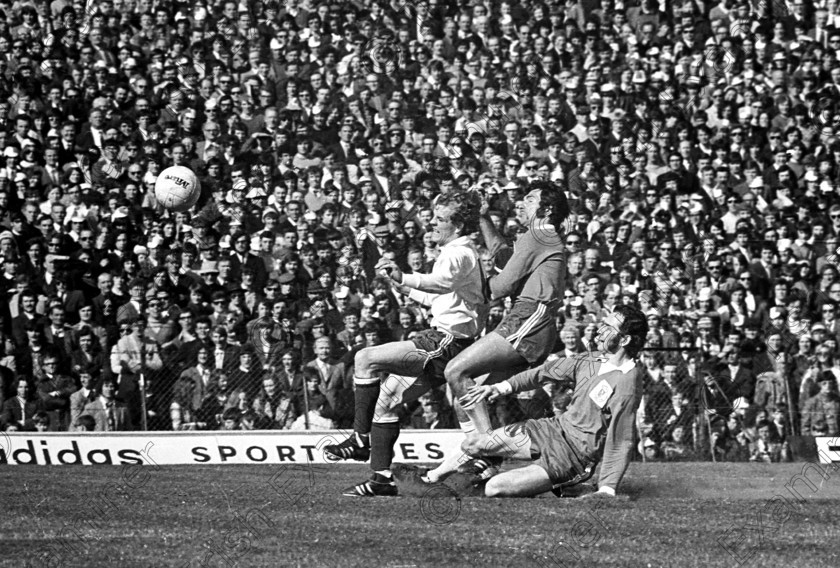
(177, 188)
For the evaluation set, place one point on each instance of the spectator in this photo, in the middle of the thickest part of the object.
(768, 448)
(334, 383)
(272, 407)
(231, 418)
(55, 391)
(109, 414)
(194, 384)
(676, 447)
(85, 423)
(315, 419)
(131, 355)
(21, 409)
(433, 413)
(821, 412)
(80, 398)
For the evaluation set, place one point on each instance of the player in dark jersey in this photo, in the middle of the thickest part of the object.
(534, 276)
(597, 426)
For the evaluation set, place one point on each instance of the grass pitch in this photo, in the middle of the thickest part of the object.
(688, 514)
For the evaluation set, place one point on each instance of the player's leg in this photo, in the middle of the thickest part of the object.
(453, 461)
(511, 441)
(385, 430)
(489, 353)
(523, 482)
(369, 365)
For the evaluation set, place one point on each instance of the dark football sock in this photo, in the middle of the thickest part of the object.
(382, 440)
(366, 397)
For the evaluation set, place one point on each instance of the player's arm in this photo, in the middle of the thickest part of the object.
(557, 370)
(519, 267)
(496, 244)
(423, 298)
(618, 445)
(444, 272)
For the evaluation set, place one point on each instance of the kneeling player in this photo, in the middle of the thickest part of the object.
(597, 427)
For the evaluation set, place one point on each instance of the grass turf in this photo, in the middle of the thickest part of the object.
(677, 515)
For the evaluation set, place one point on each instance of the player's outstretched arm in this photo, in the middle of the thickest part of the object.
(446, 270)
(490, 393)
(618, 445)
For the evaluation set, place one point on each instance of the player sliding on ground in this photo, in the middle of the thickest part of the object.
(454, 293)
(597, 426)
(534, 276)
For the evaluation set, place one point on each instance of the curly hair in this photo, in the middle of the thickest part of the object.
(466, 207)
(553, 203)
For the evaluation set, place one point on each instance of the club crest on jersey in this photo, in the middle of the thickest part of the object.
(601, 393)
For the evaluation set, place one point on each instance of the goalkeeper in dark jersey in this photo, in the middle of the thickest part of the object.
(597, 426)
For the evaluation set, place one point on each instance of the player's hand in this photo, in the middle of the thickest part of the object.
(478, 393)
(485, 206)
(598, 496)
(384, 265)
(403, 290)
(390, 269)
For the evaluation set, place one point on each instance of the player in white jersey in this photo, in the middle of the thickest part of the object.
(454, 293)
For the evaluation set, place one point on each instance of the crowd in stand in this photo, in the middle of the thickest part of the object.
(697, 142)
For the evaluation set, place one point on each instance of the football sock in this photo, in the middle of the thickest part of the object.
(447, 467)
(384, 473)
(480, 417)
(367, 391)
(383, 436)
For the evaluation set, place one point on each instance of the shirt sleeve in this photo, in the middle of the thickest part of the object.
(444, 271)
(618, 446)
(497, 246)
(519, 267)
(557, 370)
(524, 381)
(424, 298)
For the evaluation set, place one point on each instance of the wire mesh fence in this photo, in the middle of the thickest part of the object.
(739, 402)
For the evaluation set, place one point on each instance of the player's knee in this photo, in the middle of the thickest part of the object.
(454, 373)
(495, 488)
(363, 360)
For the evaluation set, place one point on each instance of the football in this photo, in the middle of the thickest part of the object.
(177, 188)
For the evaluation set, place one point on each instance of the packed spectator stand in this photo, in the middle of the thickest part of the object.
(697, 143)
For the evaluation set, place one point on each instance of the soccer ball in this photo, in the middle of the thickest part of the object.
(177, 188)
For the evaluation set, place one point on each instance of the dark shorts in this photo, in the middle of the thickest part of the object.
(552, 451)
(530, 329)
(438, 348)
